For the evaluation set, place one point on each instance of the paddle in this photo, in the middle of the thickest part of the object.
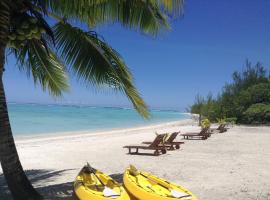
(174, 194)
(107, 192)
(93, 171)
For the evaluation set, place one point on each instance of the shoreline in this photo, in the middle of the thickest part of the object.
(53, 162)
(89, 133)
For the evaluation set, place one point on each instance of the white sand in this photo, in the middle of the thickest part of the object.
(232, 165)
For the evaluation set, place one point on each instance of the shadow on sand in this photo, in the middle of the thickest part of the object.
(63, 191)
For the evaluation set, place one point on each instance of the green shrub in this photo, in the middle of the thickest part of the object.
(258, 113)
(205, 123)
(245, 100)
(231, 120)
(259, 93)
(221, 121)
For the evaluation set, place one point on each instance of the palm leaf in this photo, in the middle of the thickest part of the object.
(146, 16)
(4, 20)
(94, 62)
(44, 66)
(174, 7)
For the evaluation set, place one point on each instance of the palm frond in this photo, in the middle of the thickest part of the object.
(4, 20)
(93, 61)
(174, 7)
(44, 66)
(146, 16)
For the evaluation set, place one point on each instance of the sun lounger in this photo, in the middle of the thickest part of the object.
(220, 129)
(203, 134)
(156, 145)
(170, 143)
(223, 129)
(212, 130)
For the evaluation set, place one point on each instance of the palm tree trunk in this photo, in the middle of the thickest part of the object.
(17, 181)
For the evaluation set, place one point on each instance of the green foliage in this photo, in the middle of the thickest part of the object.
(257, 113)
(231, 120)
(147, 16)
(221, 121)
(197, 107)
(205, 123)
(235, 103)
(259, 93)
(49, 51)
(44, 66)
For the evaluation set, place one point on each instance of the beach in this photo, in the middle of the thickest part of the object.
(231, 165)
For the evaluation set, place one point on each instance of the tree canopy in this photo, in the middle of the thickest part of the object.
(246, 98)
(45, 38)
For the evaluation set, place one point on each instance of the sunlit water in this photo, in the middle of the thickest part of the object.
(30, 119)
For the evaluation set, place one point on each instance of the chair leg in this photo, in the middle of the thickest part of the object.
(156, 153)
(177, 146)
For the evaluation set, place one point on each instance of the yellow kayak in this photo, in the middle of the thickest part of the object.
(95, 185)
(145, 186)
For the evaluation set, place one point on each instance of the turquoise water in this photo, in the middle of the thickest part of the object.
(29, 119)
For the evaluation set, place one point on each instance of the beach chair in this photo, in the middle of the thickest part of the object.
(220, 129)
(223, 129)
(156, 145)
(170, 143)
(203, 134)
(213, 130)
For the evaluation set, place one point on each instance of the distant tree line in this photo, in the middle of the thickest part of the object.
(246, 100)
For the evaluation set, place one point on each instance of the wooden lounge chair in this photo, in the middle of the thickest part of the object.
(220, 129)
(156, 145)
(204, 134)
(212, 130)
(223, 128)
(170, 143)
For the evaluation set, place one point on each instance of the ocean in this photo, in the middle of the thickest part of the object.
(37, 119)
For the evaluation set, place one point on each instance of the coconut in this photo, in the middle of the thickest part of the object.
(29, 34)
(12, 37)
(20, 31)
(42, 30)
(37, 35)
(12, 45)
(25, 25)
(34, 30)
(28, 37)
(21, 37)
(33, 20)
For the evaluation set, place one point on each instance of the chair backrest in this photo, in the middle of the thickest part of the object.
(172, 137)
(204, 131)
(158, 140)
(221, 126)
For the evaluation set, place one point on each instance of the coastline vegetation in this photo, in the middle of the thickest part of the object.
(246, 100)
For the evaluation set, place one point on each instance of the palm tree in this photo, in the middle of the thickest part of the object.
(48, 47)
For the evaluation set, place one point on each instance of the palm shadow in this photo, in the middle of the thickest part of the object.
(63, 191)
(57, 191)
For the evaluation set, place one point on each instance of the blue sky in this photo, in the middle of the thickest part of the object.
(199, 54)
